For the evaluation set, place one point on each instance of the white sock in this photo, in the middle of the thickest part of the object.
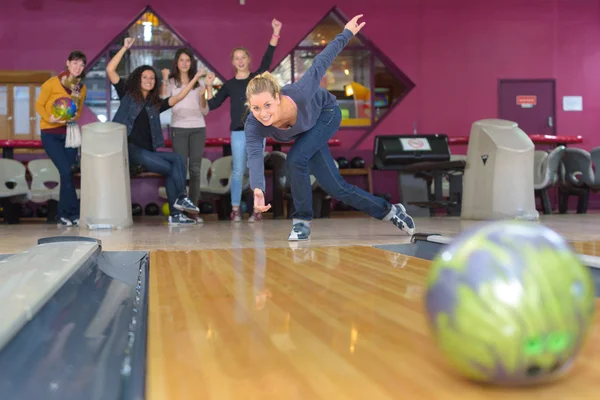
(393, 211)
(300, 221)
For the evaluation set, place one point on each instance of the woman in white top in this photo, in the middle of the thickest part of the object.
(187, 121)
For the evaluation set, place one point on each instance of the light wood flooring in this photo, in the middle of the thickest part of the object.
(238, 312)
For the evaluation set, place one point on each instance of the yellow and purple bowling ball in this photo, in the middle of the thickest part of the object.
(64, 108)
(509, 303)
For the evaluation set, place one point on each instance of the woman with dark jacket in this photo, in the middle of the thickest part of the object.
(139, 111)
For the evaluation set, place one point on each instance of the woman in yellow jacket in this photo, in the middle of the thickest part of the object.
(68, 83)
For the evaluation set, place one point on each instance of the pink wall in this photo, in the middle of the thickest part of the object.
(455, 51)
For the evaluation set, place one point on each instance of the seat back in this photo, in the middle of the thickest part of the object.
(204, 170)
(12, 178)
(539, 162)
(576, 167)
(44, 171)
(552, 164)
(221, 169)
(595, 155)
(277, 159)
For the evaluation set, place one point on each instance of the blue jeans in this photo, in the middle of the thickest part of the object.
(63, 158)
(171, 165)
(238, 155)
(310, 154)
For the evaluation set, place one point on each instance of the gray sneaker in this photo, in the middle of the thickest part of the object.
(299, 232)
(180, 219)
(402, 220)
(185, 204)
(62, 221)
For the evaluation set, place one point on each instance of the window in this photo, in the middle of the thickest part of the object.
(155, 45)
(365, 83)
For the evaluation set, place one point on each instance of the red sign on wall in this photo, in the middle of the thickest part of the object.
(526, 101)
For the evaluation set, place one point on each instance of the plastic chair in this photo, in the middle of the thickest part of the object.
(576, 179)
(43, 171)
(13, 189)
(545, 174)
(12, 178)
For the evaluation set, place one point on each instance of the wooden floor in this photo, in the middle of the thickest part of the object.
(237, 312)
(153, 233)
(313, 323)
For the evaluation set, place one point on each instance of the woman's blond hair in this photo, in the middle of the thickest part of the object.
(264, 82)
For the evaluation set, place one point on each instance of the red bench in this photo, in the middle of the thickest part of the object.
(9, 145)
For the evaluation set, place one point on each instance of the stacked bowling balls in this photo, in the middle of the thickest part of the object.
(356, 162)
(509, 303)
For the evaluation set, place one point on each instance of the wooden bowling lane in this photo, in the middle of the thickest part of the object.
(311, 323)
(591, 248)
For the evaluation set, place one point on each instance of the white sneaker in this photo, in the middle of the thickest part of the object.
(62, 221)
(402, 220)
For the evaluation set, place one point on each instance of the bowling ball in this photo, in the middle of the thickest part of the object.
(343, 162)
(26, 211)
(269, 163)
(385, 196)
(357, 162)
(135, 170)
(165, 209)
(42, 211)
(206, 208)
(136, 210)
(64, 108)
(509, 303)
(151, 209)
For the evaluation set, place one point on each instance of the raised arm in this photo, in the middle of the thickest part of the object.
(164, 87)
(186, 89)
(267, 59)
(311, 79)
(111, 67)
(276, 25)
(222, 94)
(202, 92)
(203, 103)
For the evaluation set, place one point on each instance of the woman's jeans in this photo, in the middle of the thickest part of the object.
(168, 164)
(63, 158)
(310, 154)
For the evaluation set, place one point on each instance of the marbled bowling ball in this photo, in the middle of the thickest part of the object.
(509, 303)
(64, 108)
